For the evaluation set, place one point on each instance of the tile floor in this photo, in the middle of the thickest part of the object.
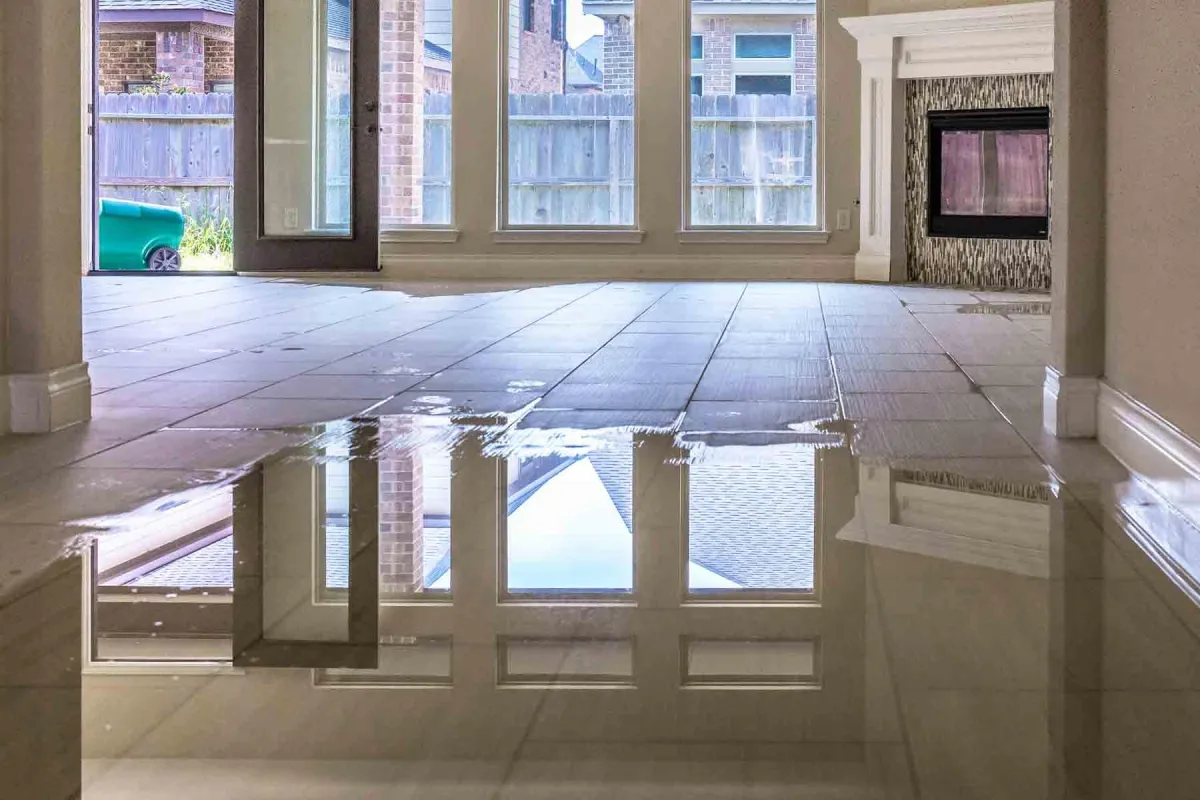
(959, 668)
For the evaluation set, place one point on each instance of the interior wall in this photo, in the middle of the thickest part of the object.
(902, 6)
(1153, 332)
(989, 263)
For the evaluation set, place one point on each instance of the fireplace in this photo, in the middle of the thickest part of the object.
(989, 173)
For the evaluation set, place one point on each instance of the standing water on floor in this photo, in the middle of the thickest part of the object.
(601, 604)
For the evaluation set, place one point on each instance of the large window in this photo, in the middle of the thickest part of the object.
(569, 128)
(414, 118)
(754, 116)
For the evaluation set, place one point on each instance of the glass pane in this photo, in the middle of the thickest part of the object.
(306, 128)
(416, 48)
(697, 47)
(570, 522)
(566, 660)
(414, 515)
(764, 46)
(763, 84)
(995, 172)
(570, 115)
(697, 84)
(751, 525)
(754, 122)
(727, 661)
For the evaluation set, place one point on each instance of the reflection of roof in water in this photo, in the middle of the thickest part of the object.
(752, 523)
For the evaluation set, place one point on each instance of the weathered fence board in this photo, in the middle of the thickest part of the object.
(570, 160)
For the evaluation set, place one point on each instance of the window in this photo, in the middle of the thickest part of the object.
(221, 87)
(754, 162)
(133, 86)
(558, 27)
(527, 15)
(763, 84)
(416, 135)
(697, 46)
(763, 46)
(570, 148)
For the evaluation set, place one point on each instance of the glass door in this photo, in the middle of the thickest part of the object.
(307, 140)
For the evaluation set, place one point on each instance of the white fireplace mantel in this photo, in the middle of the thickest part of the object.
(1013, 39)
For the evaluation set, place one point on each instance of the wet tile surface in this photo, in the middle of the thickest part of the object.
(596, 549)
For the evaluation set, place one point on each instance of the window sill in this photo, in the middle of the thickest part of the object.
(753, 236)
(567, 236)
(420, 236)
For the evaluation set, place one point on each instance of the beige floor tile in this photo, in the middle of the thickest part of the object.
(902, 362)
(449, 403)
(193, 449)
(921, 382)
(644, 396)
(162, 393)
(74, 494)
(911, 439)
(718, 416)
(1006, 376)
(276, 413)
(338, 387)
(919, 407)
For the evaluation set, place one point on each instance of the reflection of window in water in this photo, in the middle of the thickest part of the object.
(570, 522)
(414, 520)
(752, 525)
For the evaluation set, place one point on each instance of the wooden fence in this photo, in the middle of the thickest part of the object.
(570, 160)
(171, 149)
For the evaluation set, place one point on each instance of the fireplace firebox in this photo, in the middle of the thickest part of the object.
(989, 173)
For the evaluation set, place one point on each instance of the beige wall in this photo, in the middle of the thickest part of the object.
(1153, 329)
(902, 6)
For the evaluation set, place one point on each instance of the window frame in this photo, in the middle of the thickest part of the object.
(528, 14)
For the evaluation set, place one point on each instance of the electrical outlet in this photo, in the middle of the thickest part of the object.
(843, 219)
(291, 218)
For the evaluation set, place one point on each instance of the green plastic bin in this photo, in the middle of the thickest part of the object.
(139, 236)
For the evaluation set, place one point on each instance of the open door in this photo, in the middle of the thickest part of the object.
(307, 135)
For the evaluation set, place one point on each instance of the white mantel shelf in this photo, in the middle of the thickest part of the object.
(1014, 39)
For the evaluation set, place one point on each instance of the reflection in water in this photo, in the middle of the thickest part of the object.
(642, 613)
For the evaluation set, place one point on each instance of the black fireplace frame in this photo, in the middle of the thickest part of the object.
(985, 226)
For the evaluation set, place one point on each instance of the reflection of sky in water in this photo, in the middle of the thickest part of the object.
(570, 536)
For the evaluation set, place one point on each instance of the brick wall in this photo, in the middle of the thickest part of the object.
(401, 111)
(218, 60)
(805, 53)
(540, 66)
(718, 55)
(401, 513)
(618, 55)
(126, 57)
(181, 55)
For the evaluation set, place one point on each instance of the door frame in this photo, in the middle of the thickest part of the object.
(254, 250)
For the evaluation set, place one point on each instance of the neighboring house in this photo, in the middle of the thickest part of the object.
(537, 46)
(583, 76)
(737, 47)
(191, 41)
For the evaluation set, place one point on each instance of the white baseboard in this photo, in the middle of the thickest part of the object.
(49, 401)
(1161, 455)
(872, 268)
(1069, 405)
(562, 269)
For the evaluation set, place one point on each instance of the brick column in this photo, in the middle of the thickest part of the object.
(618, 55)
(401, 512)
(401, 111)
(718, 56)
(181, 55)
(805, 57)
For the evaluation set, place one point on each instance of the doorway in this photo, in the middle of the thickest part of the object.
(179, 189)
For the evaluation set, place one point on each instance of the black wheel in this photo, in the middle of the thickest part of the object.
(163, 259)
